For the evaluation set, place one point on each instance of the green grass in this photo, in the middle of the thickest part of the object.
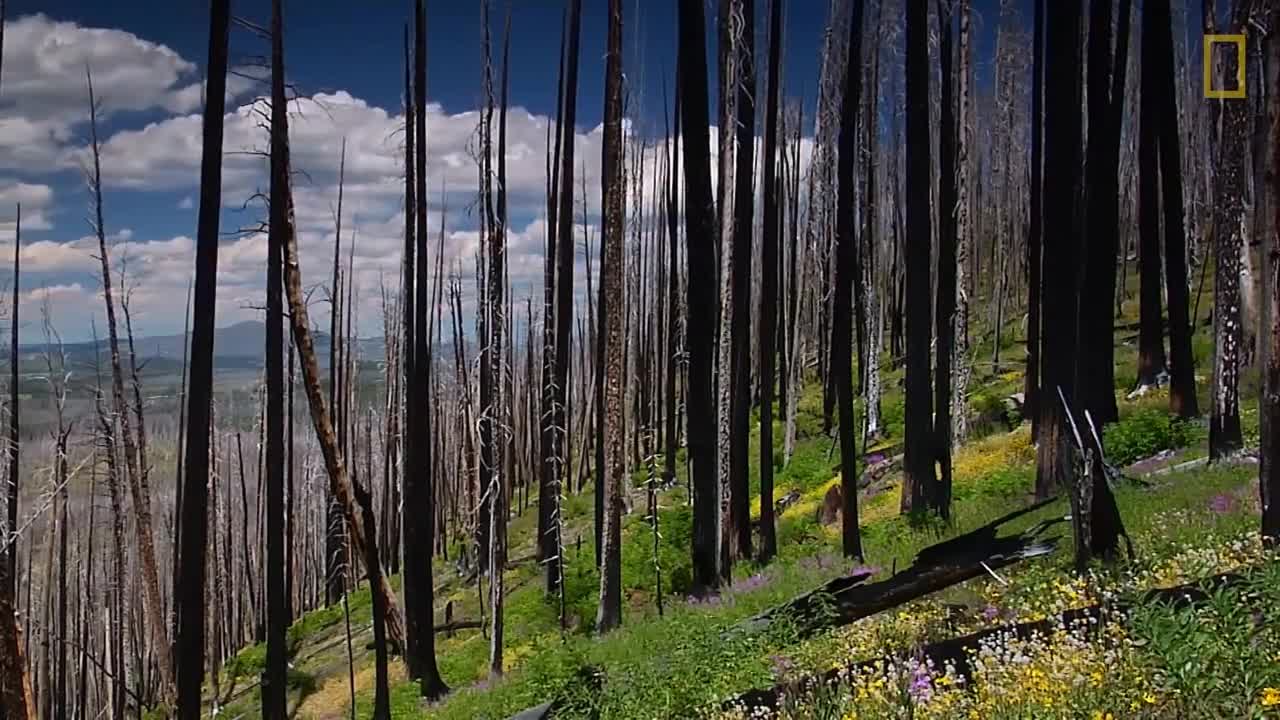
(670, 666)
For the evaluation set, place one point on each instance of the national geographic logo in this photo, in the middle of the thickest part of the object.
(1212, 93)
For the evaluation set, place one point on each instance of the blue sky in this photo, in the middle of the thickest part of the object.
(344, 57)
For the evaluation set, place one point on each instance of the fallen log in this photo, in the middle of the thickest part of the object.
(957, 651)
(847, 599)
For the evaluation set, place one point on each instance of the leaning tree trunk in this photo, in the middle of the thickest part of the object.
(321, 420)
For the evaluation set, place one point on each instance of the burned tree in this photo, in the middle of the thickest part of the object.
(769, 243)
(700, 237)
(612, 271)
(918, 480)
(190, 600)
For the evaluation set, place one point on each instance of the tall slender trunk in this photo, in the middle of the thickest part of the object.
(274, 687)
(1151, 358)
(1228, 231)
(189, 597)
(134, 460)
(700, 236)
(919, 481)
(1062, 128)
(612, 272)
(1031, 392)
(944, 315)
(769, 243)
(961, 368)
(15, 686)
(1269, 474)
(842, 303)
(421, 594)
(321, 419)
(1182, 381)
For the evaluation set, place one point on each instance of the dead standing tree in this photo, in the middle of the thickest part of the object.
(15, 686)
(700, 237)
(135, 458)
(612, 271)
(359, 533)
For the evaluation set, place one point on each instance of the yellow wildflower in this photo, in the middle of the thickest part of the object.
(1270, 697)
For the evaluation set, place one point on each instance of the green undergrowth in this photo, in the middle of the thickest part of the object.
(680, 663)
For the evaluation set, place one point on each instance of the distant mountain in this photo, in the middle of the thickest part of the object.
(234, 346)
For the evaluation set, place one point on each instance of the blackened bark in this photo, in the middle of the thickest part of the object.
(1031, 392)
(944, 316)
(548, 491)
(842, 302)
(190, 599)
(673, 293)
(274, 675)
(1151, 358)
(1062, 128)
(1269, 472)
(769, 243)
(565, 254)
(700, 326)
(1182, 380)
(743, 237)
(1095, 361)
(420, 594)
(1228, 229)
(612, 272)
(919, 481)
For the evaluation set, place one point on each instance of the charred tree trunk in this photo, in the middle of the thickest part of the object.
(700, 326)
(612, 272)
(1062, 128)
(743, 223)
(1225, 436)
(1269, 472)
(944, 315)
(420, 594)
(918, 480)
(135, 461)
(321, 419)
(1095, 361)
(190, 599)
(15, 686)
(842, 303)
(769, 243)
(1151, 358)
(1031, 392)
(1182, 381)
(274, 688)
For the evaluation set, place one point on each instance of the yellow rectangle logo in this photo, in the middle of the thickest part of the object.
(1220, 94)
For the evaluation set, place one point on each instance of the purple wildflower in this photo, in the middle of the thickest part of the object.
(1222, 503)
(782, 665)
(990, 612)
(922, 685)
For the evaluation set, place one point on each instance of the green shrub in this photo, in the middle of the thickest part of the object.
(1146, 432)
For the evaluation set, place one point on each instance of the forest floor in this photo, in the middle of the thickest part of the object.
(1219, 658)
